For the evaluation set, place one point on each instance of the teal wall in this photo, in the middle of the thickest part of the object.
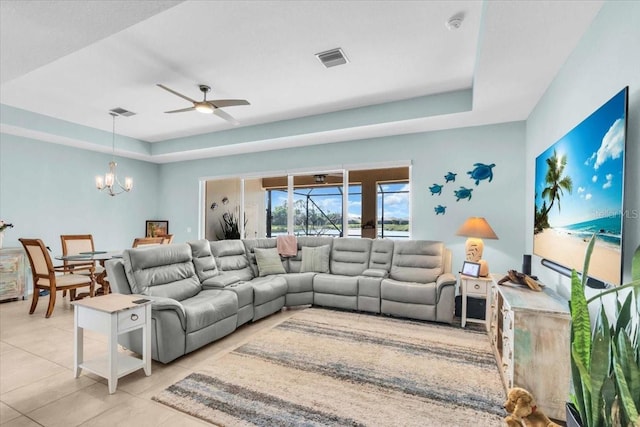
(605, 60)
(49, 189)
(431, 154)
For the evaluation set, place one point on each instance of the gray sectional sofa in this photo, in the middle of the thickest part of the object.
(202, 291)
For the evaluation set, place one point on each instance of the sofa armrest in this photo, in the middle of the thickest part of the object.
(375, 272)
(445, 279)
(162, 303)
(220, 281)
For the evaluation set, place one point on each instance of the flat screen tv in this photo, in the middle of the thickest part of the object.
(579, 187)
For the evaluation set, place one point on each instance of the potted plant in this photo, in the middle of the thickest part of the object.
(605, 360)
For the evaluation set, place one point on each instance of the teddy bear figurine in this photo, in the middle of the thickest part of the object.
(524, 412)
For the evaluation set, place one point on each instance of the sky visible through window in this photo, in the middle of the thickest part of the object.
(329, 199)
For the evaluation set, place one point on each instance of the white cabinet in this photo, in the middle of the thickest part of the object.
(530, 334)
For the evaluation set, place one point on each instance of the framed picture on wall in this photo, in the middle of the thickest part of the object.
(156, 228)
(471, 269)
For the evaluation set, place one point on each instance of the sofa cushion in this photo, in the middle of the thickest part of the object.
(381, 254)
(419, 261)
(203, 260)
(315, 259)
(408, 292)
(268, 261)
(164, 271)
(349, 256)
(230, 256)
(295, 262)
(251, 245)
(267, 289)
(208, 307)
(335, 284)
(299, 282)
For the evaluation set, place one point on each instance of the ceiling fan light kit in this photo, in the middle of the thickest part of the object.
(207, 106)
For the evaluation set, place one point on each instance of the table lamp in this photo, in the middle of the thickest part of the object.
(476, 229)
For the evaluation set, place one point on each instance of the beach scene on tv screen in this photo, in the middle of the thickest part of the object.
(579, 191)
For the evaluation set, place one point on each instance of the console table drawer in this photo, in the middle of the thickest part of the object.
(133, 318)
(477, 287)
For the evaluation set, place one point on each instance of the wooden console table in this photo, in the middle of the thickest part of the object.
(530, 334)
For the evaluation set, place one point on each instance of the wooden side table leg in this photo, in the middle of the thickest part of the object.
(464, 305)
(78, 339)
(146, 341)
(113, 354)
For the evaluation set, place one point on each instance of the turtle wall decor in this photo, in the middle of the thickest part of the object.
(440, 209)
(463, 193)
(481, 172)
(436, 189)
(450, 176)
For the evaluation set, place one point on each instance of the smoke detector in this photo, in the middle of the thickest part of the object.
(455, 21)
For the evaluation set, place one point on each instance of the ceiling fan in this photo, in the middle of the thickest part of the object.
(208, 106)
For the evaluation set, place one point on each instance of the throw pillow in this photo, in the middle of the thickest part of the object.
(268, 261)
(315, 259)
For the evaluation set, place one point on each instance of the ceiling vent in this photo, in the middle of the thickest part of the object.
(122, 112)
(333, 57)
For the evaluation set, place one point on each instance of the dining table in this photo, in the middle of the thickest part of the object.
(95, 256)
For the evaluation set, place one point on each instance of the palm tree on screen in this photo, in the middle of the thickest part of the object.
(556, 183)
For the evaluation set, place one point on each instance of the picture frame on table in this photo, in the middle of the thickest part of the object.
(471, 269)
(156, 228)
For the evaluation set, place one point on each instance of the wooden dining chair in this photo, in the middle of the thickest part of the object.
(147, 241)
(45, 277)
(167, 239)
(75, 244)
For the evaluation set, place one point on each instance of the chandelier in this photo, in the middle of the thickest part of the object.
(110, 180)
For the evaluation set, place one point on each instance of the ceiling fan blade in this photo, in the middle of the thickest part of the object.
(182, 110)
(175, 93)
(223, 115)
(219, 103)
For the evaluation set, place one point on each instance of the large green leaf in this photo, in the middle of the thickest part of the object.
(581, 382)
(609, 397)
(580, 322)
(600, 363)
(624, 313)
(629, 366)
(629, 407)
(581, 341)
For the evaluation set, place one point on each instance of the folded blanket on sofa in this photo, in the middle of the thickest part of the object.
(287, 245)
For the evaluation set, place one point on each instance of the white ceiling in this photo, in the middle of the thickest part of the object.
(75, 60)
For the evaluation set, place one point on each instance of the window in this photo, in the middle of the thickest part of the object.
(311, 204)
(393, 209)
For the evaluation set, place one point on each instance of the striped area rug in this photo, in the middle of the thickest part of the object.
(324, 367)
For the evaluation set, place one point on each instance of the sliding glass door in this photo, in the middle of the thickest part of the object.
(347, 203)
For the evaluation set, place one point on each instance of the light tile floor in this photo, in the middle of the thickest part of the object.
(37, 387)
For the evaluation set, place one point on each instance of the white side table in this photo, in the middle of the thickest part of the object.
(112, 315)
(476, 287)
